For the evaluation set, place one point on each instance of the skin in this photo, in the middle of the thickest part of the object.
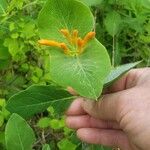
(121, 118)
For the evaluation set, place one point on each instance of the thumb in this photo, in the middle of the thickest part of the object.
(109, 107)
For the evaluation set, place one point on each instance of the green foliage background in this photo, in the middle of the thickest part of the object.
(122, 26)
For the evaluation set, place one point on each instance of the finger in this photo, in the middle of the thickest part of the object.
(76, 107)
(110, 107)
(112, 138)
(86, 121)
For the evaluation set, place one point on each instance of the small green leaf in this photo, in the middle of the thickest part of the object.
(4, 54)
(3, 6)
(65, 144)
(119, 71)
(12, 26)
(37, 99)
(146, 3)
(46, 147)
(13, 46)
(112, 23)
(51, 110)
(43, 122)
(2, 102)
(14, 35)
(18, 134)
(56, 124)
(28, 30)
(98, 147)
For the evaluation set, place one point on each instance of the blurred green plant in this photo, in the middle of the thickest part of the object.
(21, 61)
(122, 26)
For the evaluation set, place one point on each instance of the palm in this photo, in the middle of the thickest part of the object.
(120, 119)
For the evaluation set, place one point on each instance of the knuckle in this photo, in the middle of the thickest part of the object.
(121, 104)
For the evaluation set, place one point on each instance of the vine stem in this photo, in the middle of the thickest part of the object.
(43, 136)
(95, 18)
(113, 52)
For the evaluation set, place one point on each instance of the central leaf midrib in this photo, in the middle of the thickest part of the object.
(44, 103)
(84, 72)
(19, 138)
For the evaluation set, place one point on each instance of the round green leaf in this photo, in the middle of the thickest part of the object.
(65, 144)
(64, 14)
(56, 124)
(46, 147)
(43, 122)
(113, 22)
(18, 134)
(84, 73)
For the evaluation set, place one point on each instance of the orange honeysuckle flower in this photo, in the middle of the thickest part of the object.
(88, 37)
(73, 39)
(54, 44)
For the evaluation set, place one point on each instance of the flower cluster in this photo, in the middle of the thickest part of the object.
(73, 39)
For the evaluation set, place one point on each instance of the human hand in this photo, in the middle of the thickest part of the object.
(121, 118)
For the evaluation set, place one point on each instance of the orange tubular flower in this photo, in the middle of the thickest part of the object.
(66, 33)
(75, 36)
(65, 48)
(74, 41)
(88, 37)
(49, 43)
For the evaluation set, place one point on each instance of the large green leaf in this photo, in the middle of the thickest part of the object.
(86, 72)
(119, 71)
(18, 134)
(64, 14)
(36, 99)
